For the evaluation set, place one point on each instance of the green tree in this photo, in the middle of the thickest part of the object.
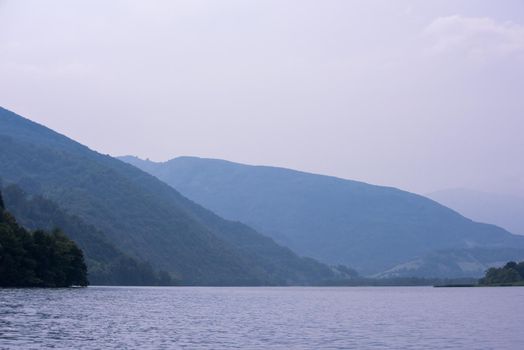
(504, 275)
(39, 258)
(510, 265)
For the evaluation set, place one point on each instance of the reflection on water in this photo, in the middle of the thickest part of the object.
(262, 318)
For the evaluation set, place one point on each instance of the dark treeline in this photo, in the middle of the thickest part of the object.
(509, 274)
(126, 271)
(39, 258)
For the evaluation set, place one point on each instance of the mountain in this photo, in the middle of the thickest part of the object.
(142, 216)
(106, 264)
(500, 209)
(370, 228)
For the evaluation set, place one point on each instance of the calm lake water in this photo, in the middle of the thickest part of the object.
(262, 318)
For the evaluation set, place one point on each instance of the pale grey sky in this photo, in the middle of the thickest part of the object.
(421, 95)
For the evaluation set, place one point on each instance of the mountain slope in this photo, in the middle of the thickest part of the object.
(141, 215)
(470, 262)
(106, 264)
(370, 228)
(39, 258)
(499, 209)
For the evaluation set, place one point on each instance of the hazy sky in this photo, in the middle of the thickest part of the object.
(421, 95)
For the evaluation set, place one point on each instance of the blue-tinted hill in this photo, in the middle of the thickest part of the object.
(374, 229)
(142, 216)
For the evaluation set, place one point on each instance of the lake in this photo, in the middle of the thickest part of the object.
(262, 318)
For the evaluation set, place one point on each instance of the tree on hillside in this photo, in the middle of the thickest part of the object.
(37, 259)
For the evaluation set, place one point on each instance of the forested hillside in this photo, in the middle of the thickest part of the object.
(106, 264)
(375, 229)
(38, 258)
(142, 216)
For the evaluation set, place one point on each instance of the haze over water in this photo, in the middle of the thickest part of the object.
(262, 318)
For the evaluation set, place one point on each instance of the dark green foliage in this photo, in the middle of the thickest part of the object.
(39, 258)
(370, 228)
(106, 264)
(142, 216)
(508, 274)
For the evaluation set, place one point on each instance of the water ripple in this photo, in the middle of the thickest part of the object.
(261, 318)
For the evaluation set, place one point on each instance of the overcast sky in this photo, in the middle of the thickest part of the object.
(421, 95)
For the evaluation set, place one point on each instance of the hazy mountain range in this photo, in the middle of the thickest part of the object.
(500, 209)
(133, 223)
(142, 216)
(377, 230)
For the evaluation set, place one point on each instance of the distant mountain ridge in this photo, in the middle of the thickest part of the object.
(142, 216)
(500, 209)
(371, 228)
